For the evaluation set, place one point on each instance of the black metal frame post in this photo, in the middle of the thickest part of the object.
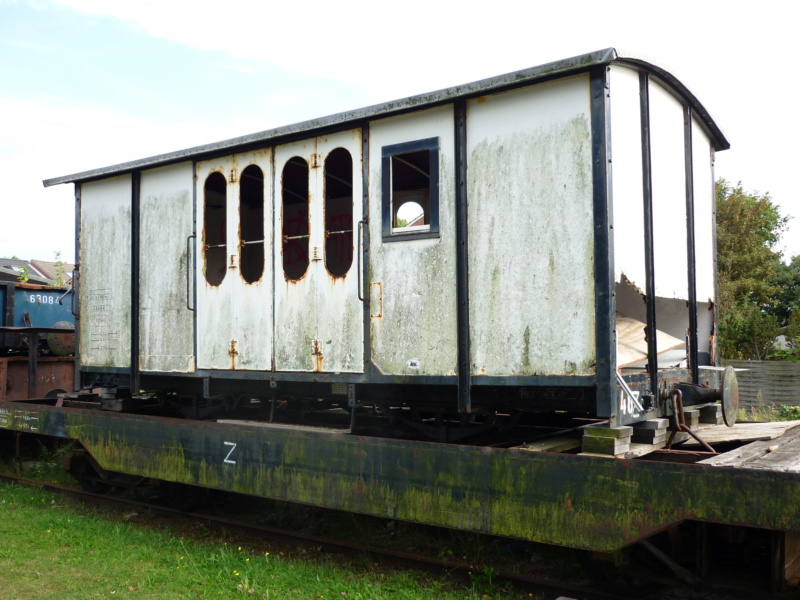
(714, 349)
(649, 251)
(7, 319)
(462, 257)
(76, 289)
(135, 234)
(193, 275)
(365, 293)
(690, 245)
(605, 303)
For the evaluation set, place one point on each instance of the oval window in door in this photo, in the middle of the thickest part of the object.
(338, 212)
(215, 237)
(295, 225)
(251, 224)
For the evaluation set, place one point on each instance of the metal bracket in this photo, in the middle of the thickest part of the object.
(628, 392)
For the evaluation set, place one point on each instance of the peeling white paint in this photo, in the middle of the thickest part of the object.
(234, 310)
(531, 244)
(105, 284)
(318, 306)
(417, 290)
(166, 325)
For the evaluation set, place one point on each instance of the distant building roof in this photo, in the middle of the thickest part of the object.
(43, 272)
(52, 270)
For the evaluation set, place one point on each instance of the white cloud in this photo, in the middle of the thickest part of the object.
(43, 140)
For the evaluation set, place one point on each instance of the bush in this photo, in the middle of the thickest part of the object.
(747, 333)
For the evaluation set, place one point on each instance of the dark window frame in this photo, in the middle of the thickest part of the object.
(344, 236)
(387, 152)
(215, 245)
(286, 239)
(247, 246)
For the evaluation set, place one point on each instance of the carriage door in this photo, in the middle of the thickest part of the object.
(318, 195)
(234, 307)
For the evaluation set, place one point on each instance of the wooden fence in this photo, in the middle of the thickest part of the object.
(778, 382)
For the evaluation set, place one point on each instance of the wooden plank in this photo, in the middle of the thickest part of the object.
(736, 458)
(776, 460)
(753, 454)
(555, 444)
(637, 450)
(742, 432)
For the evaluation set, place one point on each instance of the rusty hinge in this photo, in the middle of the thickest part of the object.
(316, 253)
(232, 176)
(233, 262)
(315, 160)
(316, 352)
(233, 352)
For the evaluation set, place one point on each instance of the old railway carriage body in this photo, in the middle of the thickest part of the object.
(472, 250)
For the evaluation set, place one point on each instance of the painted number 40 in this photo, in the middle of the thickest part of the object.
(228, 460)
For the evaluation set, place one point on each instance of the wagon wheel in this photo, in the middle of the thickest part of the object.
(86, 475)
(182, 497)
(628, 572)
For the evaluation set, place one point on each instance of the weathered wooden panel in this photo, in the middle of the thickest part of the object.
(777, 382)
(105, 273)
(166, 338)
(252, 310)
(234, 317)
(319, 320)
(340, 323)
(413, 282)
(531, 231)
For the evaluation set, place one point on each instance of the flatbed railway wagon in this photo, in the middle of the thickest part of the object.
(490, 307)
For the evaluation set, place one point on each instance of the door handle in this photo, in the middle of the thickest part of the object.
(189, 269)
(360, 252)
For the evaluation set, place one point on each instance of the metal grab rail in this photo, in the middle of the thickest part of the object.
(189, 269)
(360, 252)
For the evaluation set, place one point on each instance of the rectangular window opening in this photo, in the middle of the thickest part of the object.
(411, 190)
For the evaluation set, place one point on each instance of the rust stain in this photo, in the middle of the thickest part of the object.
(233, 352)
(376, 300)
(319, 357)
(52, 373)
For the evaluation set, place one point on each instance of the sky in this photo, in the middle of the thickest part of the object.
(90, 83)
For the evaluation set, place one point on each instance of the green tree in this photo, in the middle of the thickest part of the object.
(793, 329)
(787, 290)
(749, 226)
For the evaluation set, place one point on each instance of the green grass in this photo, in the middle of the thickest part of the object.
(762, 412)
(54, 548)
